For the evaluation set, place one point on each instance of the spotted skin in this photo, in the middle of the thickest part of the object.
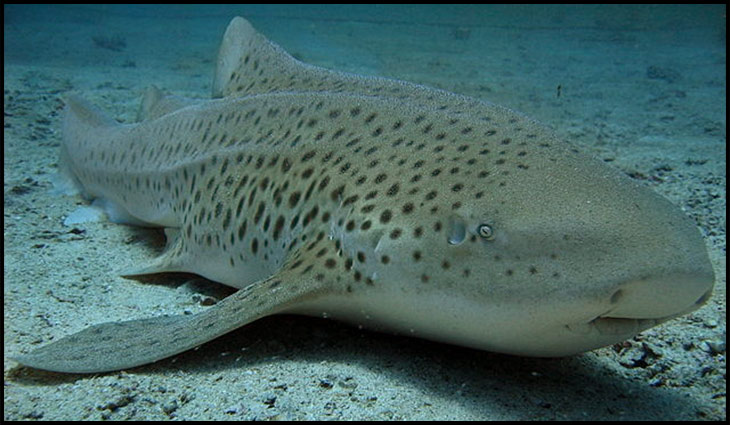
(378, 202)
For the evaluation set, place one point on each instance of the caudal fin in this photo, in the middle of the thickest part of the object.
(80, 120)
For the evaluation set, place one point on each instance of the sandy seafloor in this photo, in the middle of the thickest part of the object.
(642, 88)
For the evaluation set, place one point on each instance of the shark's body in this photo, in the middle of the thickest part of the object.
(378, 202)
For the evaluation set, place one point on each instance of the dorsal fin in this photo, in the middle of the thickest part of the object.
(243, 58)
(250, 64)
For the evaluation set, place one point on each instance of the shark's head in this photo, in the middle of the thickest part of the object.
(532, 249)
(575, 256)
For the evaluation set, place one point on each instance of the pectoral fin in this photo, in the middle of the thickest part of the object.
(121, 345)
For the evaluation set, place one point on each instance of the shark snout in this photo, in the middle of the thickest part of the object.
(659, 269)
(669, 272)
(663, 270)
(661, 297)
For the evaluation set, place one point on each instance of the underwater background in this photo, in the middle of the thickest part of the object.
(640, 87)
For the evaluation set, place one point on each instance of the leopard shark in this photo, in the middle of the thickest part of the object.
(381, 203)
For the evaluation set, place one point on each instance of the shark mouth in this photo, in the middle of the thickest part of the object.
(614, 326)
(604, 324)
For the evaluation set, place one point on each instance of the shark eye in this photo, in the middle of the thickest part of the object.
(485, 231)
